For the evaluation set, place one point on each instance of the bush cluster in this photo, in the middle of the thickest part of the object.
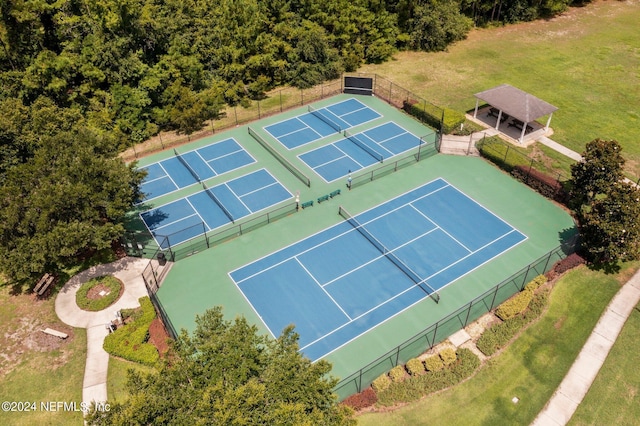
(518, 303)
(572, 261)
(500, 334)
(542, 183)
(433, 115)
(414, 387)
(434, 363)
(381, 383)
(448, 356)
(130, 340)
(361, 400)
(397, 373)
(415, 367)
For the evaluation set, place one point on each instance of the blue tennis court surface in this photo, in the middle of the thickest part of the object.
(347, 279)
(336, 160)
(320, 123)
(212, 160)
(206, 210)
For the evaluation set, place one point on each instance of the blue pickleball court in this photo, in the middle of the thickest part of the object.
(320, 123)
(336, 160)
(349, 278)
(204, 163)
(211, 208)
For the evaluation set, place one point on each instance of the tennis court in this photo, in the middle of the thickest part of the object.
(192, 167)
(347, 279)
(360, 150)
(321, 122)
(211, 208)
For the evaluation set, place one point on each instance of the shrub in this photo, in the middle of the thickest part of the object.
(433, 115)
(397, 373)
(361, 400)
(536, 283)
(514, 306)
(448, 356)
(542, 183)
(381, 383)
(434, 363)
(415, 387)
(129, 341)
(569, 262)
(415, 367)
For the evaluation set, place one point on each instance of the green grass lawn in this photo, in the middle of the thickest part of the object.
(531, 368)
(35, 367)
(585, 62)
(614, 397)
(117, 377)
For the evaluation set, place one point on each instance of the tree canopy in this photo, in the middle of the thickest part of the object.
(608, 207)
(225, 373)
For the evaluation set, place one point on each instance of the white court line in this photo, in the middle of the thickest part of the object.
(176, 221)
(169, 175)
(321, 287)
(205, 162)
(441, 228)
(197, 212)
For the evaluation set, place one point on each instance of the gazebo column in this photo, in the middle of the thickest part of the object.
(546, 127)
(475, 112)
(524, 128)
(499, 120)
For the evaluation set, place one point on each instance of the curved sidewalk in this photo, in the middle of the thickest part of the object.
(129, 271)
(585, 368)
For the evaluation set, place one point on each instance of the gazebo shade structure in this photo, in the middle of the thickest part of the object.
(517, 103)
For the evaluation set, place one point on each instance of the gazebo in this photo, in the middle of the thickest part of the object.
(508, 101)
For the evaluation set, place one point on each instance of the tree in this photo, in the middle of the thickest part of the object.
(225, 373)
(68, 199)
(608, 208)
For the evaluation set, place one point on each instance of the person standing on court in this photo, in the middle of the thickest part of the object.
(349, 180)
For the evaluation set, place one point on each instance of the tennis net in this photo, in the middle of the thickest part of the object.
(365, 147)
(324, 117)
(390, 255)
(215, 200)
(186, 165)
(293, 169)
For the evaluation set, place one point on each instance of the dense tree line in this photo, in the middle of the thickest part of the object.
(80, 76)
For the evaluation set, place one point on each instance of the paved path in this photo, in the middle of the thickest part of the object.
(129, 271)
(584, 370)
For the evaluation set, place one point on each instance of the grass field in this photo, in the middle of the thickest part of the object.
(531, 368)
(614, 397)
(35, 367)
(585, 62)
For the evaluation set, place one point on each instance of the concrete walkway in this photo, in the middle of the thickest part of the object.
(584, 370)
(129, 271)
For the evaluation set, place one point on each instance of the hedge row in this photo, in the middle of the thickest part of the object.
(518, 303)
(415, 387)
(433, 115)
(130, 340)
(542, 183)
(500, 334)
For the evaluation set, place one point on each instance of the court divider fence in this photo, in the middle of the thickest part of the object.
(157, 268)
(425, 149)
(458, 319)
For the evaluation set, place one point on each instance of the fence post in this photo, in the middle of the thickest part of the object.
(258, 109)
(546, 263)
(525, 277)
(468, 313)
(504, 161)
(493, 300)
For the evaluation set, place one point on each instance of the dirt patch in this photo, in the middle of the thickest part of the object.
(476, 328)
(158, 336)
(98, 292)
(23, 319)
(558, 324)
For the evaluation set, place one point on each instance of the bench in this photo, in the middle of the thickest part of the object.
(519, 125)
(323, 198)
(494, 112)
(307, 204)
(55, 333)
(44, 284)
(334, 193)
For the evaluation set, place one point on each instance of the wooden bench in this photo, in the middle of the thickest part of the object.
(44, 284)
(334, 193)
(307, 204)
(56, 333)
(494, 112)
(323, 198)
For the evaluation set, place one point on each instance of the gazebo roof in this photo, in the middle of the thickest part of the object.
(517, 103)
